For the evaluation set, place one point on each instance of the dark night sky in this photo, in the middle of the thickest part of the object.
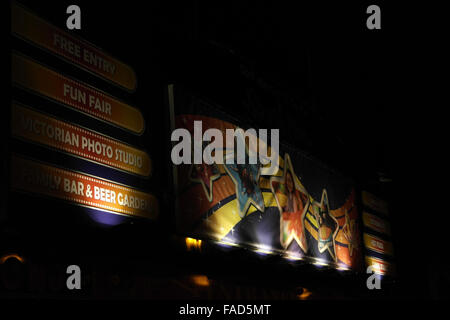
(321, 54)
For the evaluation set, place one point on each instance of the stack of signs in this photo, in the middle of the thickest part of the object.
(377, 235)
(66, 117)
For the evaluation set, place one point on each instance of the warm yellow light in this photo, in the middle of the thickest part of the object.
(193, 244)
(343, 268)
(305, 294)
(11, 255)
(200, 280)
(320, 262)
(263, 250)
(292, 257)
(227, 243)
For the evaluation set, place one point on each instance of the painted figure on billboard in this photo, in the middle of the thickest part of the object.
(292, 202)
(205, 174)
(286, 212)
(349, 230)
(327, 226)
(246, 177)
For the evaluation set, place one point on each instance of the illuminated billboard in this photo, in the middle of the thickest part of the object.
(303, 210)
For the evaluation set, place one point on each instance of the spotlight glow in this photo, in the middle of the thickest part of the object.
(263, 250)
(227, 243)
(342, 268)
(320, 263)
(292, 257)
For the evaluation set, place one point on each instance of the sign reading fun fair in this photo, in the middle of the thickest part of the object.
(75, 94)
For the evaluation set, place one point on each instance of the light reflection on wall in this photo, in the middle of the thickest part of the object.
(263, 250)
(105, 219)
(292, 256)
(265, 240)
(200, 280)
(16, 256)
(305, 294)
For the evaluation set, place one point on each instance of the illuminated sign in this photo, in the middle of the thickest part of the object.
(75, 140)
(28, 26)
(376, 223)
(75, 94)
(81, 189)
(379, 252)
(380, 266)
(378, 245)
(372, 202)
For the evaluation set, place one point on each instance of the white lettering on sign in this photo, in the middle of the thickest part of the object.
(73, 187)
(128, 158)
(48, 130)
(42, 179)
(99, 104)
(378, 244)
(98, 62)
(71, 48)
(131, 201)
(66, 45)
(377, 223)
(81, 97)
(96, 147)
(104, 195)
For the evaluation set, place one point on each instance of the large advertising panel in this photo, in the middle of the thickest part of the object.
(302, 210)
